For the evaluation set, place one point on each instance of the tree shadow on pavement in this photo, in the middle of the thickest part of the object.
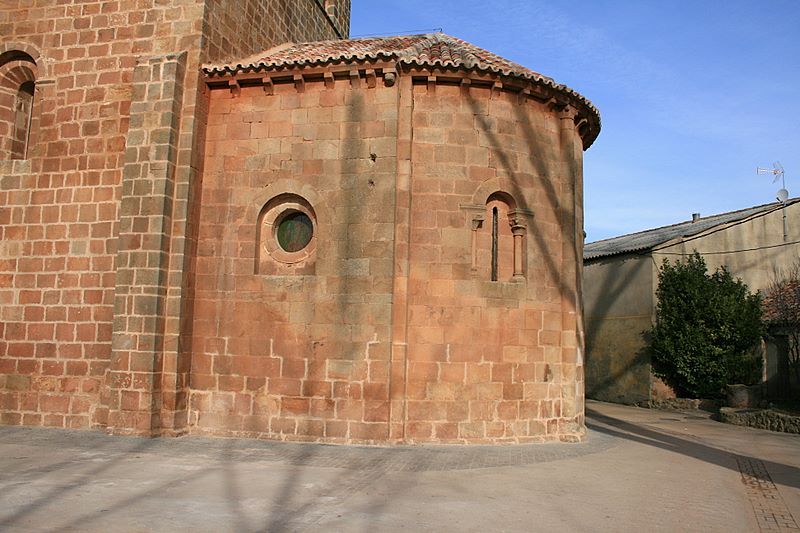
(58, 491)
(622, 429)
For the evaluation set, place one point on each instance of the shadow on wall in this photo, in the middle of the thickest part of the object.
(617, 359)
(779, 367)
(618, 378)
(562, 171)
(505, 158)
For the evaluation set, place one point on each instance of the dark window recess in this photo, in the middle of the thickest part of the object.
(494, 244)
(294, 231)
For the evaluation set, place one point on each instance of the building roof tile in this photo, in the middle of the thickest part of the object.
(431, 50)
(423, 49)
(647, 240)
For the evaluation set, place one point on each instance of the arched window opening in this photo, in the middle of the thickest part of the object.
(495, 238)
(22, 121)
(17, 94)
(499, 244)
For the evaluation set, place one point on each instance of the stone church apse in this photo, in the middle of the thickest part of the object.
(389, 240)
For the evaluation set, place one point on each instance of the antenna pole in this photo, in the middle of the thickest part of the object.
(785, 226)
(783, 195)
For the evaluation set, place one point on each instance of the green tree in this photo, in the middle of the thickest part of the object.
(706, 329)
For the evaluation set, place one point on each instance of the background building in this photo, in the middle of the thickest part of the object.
(621, 277)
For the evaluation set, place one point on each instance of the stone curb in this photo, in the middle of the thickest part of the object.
(761, 418)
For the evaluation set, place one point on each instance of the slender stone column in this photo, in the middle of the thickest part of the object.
(519, 234)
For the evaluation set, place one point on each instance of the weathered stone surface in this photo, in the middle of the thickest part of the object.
(394, 325)
(77, 219)
(761, 418)
(742, 396)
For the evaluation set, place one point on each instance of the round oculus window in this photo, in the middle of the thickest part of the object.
(294, 231)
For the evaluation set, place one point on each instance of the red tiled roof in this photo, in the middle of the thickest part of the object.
(425, 49)
(432, 49)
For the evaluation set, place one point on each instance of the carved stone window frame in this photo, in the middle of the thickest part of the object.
(518, 219)
(270, 221)
(285, 199)
(19, 79)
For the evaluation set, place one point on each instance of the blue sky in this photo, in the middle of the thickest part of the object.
(694, 95)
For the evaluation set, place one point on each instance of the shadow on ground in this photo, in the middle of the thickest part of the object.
(622, 429)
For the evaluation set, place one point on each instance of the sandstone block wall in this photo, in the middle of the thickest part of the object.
(143, 284)
(395, 326)
(296, 350)
(494, 360)
(244, 30)
(60, 214)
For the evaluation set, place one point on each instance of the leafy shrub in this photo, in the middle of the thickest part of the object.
(706, 329)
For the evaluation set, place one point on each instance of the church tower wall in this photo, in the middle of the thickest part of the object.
(95, 208)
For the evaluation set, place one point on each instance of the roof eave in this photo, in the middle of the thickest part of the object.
(586, 111)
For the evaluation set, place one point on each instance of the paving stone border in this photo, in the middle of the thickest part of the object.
(89, 444)
(770, 509)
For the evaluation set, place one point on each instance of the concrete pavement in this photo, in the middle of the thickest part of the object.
(639, 470)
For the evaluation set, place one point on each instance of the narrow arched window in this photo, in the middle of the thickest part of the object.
(495, 242)
(22, 121)
(17, 93)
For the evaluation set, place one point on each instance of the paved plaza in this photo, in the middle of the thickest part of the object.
(639, 470)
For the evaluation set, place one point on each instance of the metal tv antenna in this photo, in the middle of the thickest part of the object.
(777, 171)
(782, 195)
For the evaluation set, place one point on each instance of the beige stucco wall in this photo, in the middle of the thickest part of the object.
(618, 305)
(754, 249)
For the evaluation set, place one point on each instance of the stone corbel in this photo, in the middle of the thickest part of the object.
(581, 124)
(268, 87)
(355, 79)
(234, 86)
(371, 80)
(524, 95)
(329, 80)
(497, 87)
(563, 110)
(389, 77)
(466, 84)
(431, 84)
(299, 83)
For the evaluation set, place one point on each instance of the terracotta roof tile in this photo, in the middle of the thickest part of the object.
(425, 49)
(432, 49)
